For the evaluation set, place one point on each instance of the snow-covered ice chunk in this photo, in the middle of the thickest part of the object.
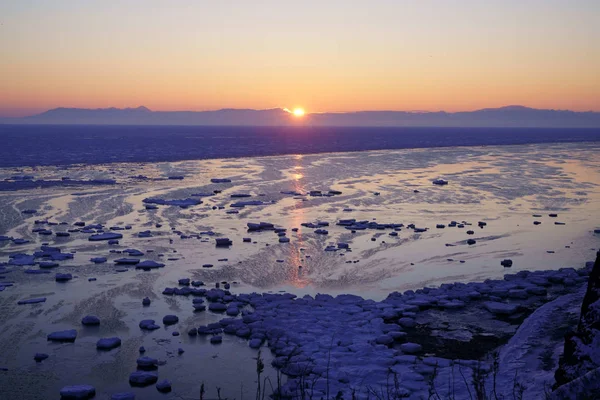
(32, 301)
(217, 307)
(164, 386)
(63, 277)
(223, 242)
(170, 319)
(501, 308)
(63, 336)
(77, 392)
(90, 320)
(148, 324)
(183, 203)
(105, 236)
(149, 264)
(123, 396)
(108, 343)
(142, 378)
(410, 348)
(385, 340)
(126, 261)
(147, 363)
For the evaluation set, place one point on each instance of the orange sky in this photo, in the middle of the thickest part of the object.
(337, 56)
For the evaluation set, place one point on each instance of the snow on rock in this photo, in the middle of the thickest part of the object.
(583, 387)
(526, 355)
(77, 392)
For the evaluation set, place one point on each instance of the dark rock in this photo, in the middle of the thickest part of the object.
(581, 355)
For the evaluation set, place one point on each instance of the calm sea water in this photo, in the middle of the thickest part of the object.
(58, 145)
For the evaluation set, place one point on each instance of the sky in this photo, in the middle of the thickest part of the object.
(323, 56)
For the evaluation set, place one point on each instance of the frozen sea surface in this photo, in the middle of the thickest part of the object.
(503, 186)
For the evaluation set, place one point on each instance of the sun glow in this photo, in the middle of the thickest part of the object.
(298, 112)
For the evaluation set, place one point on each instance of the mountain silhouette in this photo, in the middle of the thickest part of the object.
(509, 116)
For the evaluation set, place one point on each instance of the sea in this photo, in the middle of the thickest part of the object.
(528, 195)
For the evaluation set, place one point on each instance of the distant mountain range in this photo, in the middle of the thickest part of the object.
(510, 116)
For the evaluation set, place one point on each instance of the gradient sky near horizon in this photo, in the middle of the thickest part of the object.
(321, 55)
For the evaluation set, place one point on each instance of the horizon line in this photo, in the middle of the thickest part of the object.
(289, 110)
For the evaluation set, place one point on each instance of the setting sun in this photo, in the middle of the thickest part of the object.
(298, 112)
